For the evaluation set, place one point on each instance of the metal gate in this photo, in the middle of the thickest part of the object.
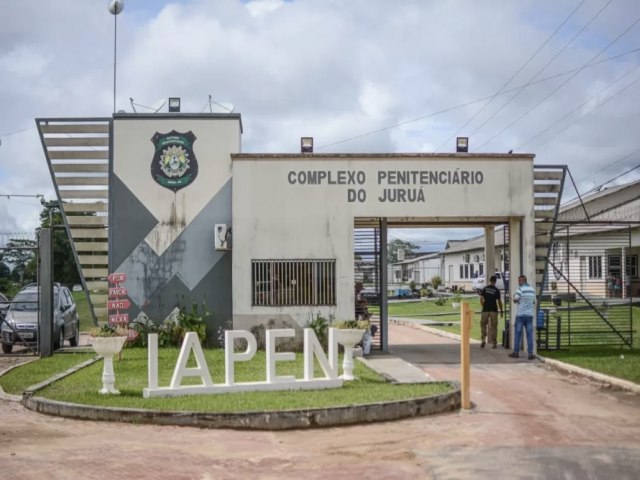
(18, 333)
(592, 286)
(367, 261)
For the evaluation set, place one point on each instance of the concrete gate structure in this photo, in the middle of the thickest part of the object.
(267, 238)
(294, 215)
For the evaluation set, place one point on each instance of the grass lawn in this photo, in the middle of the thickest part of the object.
(18, 379)
(424, 308)
(82, 306)
(131, 377)
(621, 362)
(429, 310)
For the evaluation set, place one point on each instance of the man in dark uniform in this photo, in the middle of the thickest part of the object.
(491, 304)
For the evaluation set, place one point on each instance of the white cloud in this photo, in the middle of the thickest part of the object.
(334, 70)
(259, 8)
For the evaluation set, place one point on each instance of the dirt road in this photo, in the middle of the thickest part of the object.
(527, 422)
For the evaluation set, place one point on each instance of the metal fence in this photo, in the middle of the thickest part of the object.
(592, 281)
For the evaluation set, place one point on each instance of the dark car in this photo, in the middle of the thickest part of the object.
(372, 297)
(21, 320)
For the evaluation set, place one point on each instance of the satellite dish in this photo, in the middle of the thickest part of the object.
(229, 107)
(158, 104)
(224, 107)
(215, 107)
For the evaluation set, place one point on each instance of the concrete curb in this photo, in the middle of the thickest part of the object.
(30, 391)
(274, 420)
(614, 382)
(9, 397)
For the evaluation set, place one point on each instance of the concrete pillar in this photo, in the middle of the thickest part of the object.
(515, 269)
(45, 275)
(489, 251)
(384, 288)
(528, 260)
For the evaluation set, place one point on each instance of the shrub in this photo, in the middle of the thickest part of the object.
(412, 285)
(173, 330)
(359, 324)
(287, 345)
(320, 327)
(108, 331)
(436, 281)
(441, 301)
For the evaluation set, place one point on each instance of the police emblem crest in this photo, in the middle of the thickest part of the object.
(174, 165)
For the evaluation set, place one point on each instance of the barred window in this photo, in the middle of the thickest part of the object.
(595, 267)
(293, 282)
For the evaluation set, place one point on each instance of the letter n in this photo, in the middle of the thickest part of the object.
(313, 349)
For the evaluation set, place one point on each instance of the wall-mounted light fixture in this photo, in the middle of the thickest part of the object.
(174, 104)
(306, 144)
(462, 144)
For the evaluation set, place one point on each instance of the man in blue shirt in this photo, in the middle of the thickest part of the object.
(525, 297)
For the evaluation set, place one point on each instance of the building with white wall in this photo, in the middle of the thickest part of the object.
(164, 187)
(294, 215)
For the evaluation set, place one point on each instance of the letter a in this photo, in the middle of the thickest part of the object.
(191, 342)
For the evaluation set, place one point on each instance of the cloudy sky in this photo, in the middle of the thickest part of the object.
(558, 78)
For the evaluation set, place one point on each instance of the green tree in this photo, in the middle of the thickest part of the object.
(19, 253)
(5, 271)
(394, 246)
(65, 269)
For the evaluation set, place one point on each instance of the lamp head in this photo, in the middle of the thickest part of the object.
(116, 6)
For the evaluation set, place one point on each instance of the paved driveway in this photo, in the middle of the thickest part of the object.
(527, 422)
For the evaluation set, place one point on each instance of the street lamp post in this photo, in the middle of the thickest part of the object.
(115, 7)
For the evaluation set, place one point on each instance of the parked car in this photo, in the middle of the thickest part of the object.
(480, 282)
(406, 292)
(21, 322)
(371, 296)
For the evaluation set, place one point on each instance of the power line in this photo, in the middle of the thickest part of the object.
(15, 132)
(620, 176)
(482, 99)
(608, 181)
(559, 86)
(8, 195)
(566, 45)
(475, 115)
(582, 105)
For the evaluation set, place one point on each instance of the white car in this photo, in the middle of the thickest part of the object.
(480, 282)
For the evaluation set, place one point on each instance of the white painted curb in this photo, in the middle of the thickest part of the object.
(599, 377)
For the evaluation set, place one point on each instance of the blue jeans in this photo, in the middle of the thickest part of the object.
(526, 322)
